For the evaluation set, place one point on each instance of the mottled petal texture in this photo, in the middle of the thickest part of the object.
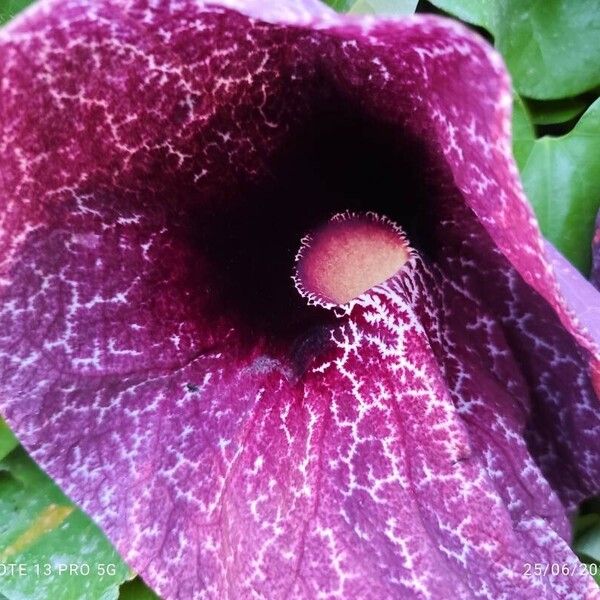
(160, 163)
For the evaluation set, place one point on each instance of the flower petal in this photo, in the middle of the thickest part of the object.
(596, 254)
(158, 363)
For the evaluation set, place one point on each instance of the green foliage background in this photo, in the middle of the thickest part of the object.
(552, 50)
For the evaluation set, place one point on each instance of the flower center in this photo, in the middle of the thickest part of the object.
(349, 255)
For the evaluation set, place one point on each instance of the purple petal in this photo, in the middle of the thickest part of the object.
(160, 164)
(581, 297)
(596, 255)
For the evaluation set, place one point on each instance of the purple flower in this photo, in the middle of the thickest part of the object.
(596, 254)
(413, 417)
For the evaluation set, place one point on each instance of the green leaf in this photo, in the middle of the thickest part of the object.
(550, 46)
(588, 543)
(9, 8)
(483, 13)
(561, 176)
(136, 590)
(8, 441)
(550, 112)
(584, 522)
(375, 7)
(523, 132)
(47, 545)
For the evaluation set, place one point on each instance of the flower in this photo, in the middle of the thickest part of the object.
(161, 163)
(596, 254)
